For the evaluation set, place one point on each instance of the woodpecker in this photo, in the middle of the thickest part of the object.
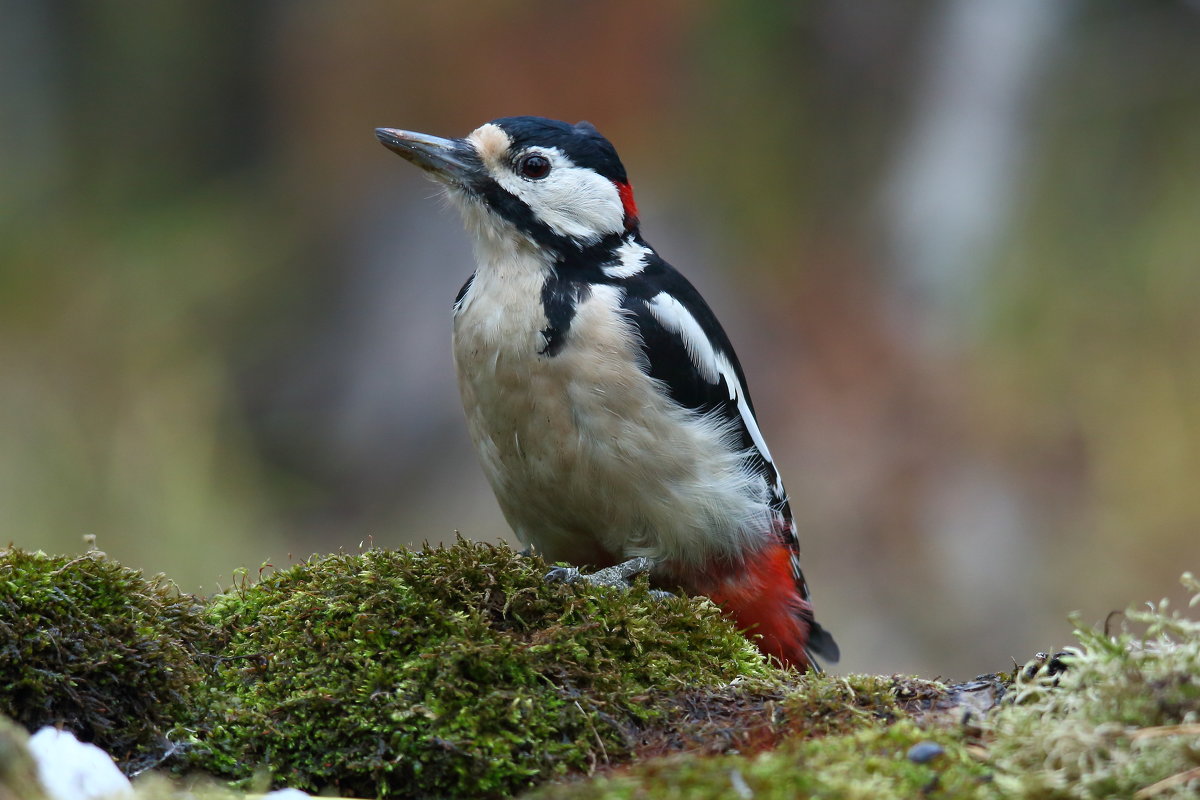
(604, 399)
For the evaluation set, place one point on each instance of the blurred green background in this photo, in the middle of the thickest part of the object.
(957, 245)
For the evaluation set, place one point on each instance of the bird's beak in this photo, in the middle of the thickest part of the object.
(450, 160)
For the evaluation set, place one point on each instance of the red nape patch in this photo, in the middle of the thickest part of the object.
(768, 603)
(631, 212)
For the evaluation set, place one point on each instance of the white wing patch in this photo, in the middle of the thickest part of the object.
(631, 259)
(710, 363)
(673, 316)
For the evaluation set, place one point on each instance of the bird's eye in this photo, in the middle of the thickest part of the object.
(534, 167)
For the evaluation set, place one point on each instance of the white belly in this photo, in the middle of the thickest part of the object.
(589, 459)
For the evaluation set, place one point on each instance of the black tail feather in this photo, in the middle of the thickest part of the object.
(821, 643)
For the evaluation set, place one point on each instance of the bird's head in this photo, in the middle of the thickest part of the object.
(559, 186)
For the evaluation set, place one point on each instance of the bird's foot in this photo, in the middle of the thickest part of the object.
(563, 575)
(618, 576)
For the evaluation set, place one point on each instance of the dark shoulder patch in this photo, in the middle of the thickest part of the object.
(667, 360)
(560, 299)
(659, 276)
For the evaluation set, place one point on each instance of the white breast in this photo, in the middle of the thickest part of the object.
(589, 459)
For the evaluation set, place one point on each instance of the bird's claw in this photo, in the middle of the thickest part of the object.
(617, 576)
(563, 575)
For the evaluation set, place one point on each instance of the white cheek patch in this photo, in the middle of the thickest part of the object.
(572, 201)
(711, 365)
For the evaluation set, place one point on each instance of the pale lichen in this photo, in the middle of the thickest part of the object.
(1121, 720)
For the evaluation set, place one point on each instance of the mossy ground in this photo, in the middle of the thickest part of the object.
(871, 764)
(1114, 717)
(97, 648)
(448, 672)
(754, 715)
(459, 672)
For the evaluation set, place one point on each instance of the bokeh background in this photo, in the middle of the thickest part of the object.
(957, 245)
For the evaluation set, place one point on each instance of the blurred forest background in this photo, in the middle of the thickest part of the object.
(957, 245)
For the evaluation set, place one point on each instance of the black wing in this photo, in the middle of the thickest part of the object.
(671, 315)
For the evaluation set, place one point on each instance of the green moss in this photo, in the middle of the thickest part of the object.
(872, 764)
(448, 672)
(460, 672)
(1123, 716)
(97, 648)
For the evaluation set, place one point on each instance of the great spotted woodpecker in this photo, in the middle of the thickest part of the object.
(603, 397)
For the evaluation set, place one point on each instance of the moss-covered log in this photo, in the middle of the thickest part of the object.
(460, 672)
(455, 671)
(99, 649)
